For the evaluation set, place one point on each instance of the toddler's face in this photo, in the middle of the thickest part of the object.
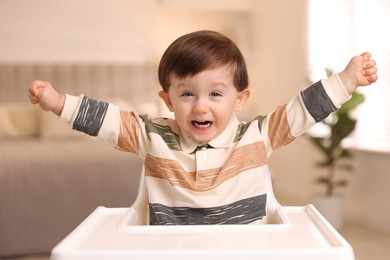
(204, 104)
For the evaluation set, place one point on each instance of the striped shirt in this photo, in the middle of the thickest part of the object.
(221, 182)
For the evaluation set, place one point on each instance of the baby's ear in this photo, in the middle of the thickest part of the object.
(167, 100)
(241, 99)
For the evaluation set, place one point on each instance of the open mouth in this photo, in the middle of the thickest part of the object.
(201, 124)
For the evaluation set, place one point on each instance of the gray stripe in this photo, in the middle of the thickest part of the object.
(90, 116)
(241, 212)
(317, 102)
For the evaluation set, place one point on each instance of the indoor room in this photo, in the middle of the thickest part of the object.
(52, 178)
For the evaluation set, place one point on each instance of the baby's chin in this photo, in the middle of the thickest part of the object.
(203, 139)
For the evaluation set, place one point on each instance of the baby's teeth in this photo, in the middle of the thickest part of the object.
(202, 124)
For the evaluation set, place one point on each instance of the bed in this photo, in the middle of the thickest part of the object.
(52, 178)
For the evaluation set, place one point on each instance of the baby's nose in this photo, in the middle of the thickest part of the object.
(200, 108)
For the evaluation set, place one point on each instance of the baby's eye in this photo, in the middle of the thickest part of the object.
(215, 94)
(187, 94)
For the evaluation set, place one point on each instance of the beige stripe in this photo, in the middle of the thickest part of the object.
(225, 193)
(279, 129)
(242, 159)
(128, 132)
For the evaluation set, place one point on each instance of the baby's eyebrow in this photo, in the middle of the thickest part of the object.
(181, 86)
(219, 84)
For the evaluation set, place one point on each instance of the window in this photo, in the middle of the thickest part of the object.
(339, 29)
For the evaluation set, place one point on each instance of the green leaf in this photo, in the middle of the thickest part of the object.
(323, 180)
(344, 127)
(356, 99)
(340, 183)
(324, 164)
(329, 72)
(345, 153)
(345, 167)
(319, 143)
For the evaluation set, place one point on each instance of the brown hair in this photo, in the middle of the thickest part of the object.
(199, 51)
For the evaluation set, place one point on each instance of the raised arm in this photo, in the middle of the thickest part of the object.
(316, 102)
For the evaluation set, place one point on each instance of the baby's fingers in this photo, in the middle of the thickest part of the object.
(36, 89)
(372, 78)
(33, 92)
(370, 71)
(33, 95)
(36, 85)
(366, 55)
(369, 64)
(34, 99)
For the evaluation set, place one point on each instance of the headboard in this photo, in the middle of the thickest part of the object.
(136, 83)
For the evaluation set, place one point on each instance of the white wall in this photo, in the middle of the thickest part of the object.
(104, 30)
(280, 35)
(274, 42)
(72, 30)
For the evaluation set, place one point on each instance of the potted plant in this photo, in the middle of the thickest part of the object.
(336, 157)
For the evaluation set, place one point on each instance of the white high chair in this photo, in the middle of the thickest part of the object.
(120, 233)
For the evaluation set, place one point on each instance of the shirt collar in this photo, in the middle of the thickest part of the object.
(224, 140)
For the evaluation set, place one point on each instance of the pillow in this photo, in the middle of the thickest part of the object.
(18, 120)
(52, 127)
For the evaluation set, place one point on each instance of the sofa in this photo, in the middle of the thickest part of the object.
(52, 178)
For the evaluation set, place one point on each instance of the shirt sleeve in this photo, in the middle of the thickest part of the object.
(312, 105)
(93, 117)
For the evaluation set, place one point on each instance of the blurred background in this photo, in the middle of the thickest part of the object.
(284, 42)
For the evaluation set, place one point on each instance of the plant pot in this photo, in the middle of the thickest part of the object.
(331, 207)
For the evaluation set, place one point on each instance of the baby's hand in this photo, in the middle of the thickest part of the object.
(42, 93)
(360, 71)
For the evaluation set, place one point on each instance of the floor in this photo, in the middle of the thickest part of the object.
(368, 243)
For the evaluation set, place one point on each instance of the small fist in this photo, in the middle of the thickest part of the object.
(42, 93)
(360, 71)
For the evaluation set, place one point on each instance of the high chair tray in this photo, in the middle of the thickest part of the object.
(295, 233)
